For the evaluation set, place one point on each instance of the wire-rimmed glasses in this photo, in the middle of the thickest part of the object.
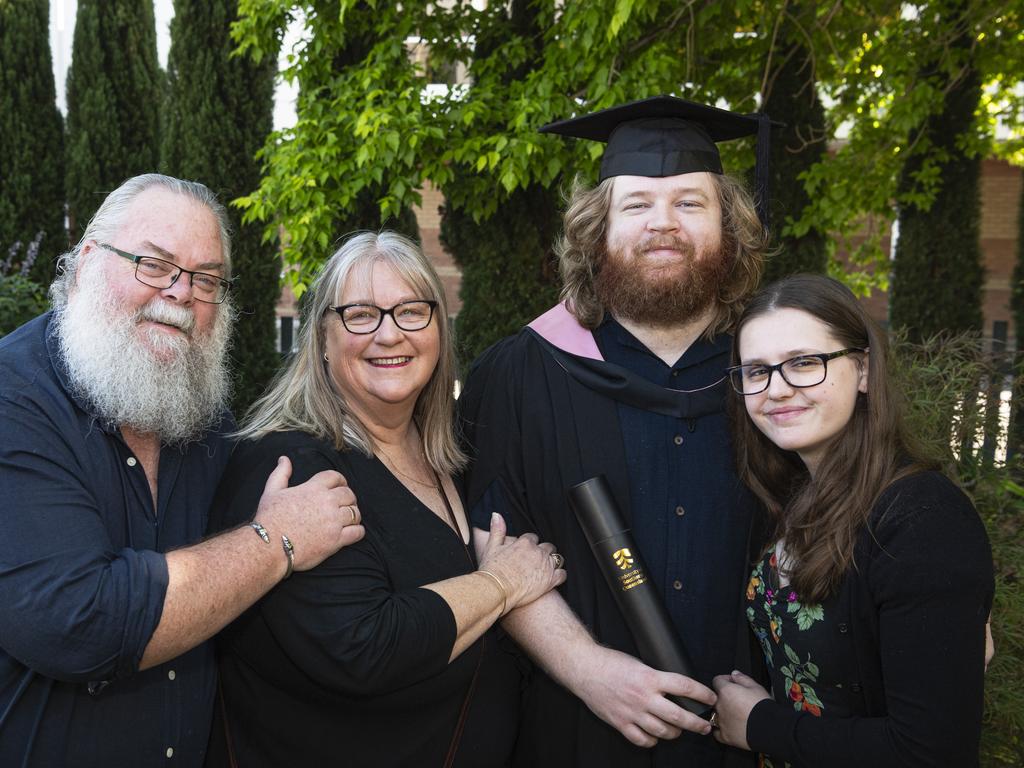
(159, 273)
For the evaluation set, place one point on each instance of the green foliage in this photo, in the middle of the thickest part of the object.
(945, 379)
(509, 275)
(21, 297)
(218, 113)
(31, 135)
(114, 96)
(879, 70)
(937, 271)
(372, 124)
(792, 94)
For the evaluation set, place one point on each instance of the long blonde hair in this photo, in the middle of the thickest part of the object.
(583, 246)
(302, 396)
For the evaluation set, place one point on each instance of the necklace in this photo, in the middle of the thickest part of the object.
(391, 464)
(437, 487)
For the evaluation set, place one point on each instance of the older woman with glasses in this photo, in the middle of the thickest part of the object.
(385, 654)
(870, 602)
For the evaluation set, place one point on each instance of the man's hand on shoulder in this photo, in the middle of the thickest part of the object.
(319, 516)
(631, 697)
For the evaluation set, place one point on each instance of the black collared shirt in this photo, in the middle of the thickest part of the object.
(82, 577)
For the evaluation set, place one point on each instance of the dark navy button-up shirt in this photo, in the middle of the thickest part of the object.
(82, 577)
(691, 514)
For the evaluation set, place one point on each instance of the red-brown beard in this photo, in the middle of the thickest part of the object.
(671, 295)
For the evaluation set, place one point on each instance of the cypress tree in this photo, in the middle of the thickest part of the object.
(792, 99)
(114, 96)
(508, 268)
(937, 272)
(31, 138)
(218, 114)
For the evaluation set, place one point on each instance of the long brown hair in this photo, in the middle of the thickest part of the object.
(583, 246)
(818, 519)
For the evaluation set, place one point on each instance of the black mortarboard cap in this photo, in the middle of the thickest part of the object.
(667, 136)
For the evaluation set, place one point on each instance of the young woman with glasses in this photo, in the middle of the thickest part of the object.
(870, 601)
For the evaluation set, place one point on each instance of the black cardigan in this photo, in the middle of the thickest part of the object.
(347, 664)
(911, 625)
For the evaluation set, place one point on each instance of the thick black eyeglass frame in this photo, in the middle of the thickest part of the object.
(225, 285)
(340, 309)
(823, 356)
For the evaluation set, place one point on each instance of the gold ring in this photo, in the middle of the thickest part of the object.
(559, 560)
(713, 720)
(352, 511)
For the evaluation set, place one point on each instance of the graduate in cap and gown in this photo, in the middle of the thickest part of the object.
(625, 378)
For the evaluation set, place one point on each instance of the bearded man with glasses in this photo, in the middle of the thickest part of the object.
(113, 408)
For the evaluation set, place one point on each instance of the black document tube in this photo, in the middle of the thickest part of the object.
(637, 598)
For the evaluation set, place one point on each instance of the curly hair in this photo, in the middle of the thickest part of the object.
(583, 246)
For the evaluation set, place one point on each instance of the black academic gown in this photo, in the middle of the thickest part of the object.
(539, 420)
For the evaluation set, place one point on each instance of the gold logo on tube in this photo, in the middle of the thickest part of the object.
(623, 558)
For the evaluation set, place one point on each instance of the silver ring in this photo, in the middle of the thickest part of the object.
(713, 720)
(558, 559)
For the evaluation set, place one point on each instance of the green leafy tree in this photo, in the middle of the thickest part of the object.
(114, 95)
(31, 137)
(791, 93)
(509, 275)
(478, 143)
(937, 271)
(363, 212)
(218, 114)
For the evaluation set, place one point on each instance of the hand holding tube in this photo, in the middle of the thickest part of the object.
(620, 563)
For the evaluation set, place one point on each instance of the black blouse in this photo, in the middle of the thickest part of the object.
(347, 664)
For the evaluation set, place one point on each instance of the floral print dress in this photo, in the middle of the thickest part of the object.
(795, 638)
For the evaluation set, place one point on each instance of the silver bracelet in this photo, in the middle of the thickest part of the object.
(261, 531)
(289, 550)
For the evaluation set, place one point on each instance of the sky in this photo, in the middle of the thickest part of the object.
(62, 31)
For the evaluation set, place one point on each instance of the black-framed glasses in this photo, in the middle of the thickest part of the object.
(158, 273)
(800, 371)
(366, 318)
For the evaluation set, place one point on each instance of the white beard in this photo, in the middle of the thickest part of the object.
(176, 387)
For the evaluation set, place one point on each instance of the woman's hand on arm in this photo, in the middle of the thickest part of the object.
(512, 573)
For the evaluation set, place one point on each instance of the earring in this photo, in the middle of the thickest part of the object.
(325, 358)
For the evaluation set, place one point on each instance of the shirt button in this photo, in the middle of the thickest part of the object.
(843, 629)
(855, 687)
(680, 511)
(677, 584)
(170, 751)
(678, 439)
(171, 675)
(131, 461)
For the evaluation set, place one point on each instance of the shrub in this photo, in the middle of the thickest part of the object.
(952, 389)
(21, 298)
